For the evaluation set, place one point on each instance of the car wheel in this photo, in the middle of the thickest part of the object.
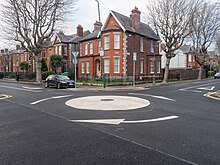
(46, 84)
(58, 85)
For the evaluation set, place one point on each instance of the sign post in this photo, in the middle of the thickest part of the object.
(75, 55)
(134, 60)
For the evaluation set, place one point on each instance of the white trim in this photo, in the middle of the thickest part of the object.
(111, 13)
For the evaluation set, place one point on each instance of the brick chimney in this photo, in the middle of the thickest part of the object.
(6, 50)
(97, 25)
(2, 51)
(17, 47)
(135, 18)
(79, 30)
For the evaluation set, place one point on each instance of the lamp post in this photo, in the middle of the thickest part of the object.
(102, 51)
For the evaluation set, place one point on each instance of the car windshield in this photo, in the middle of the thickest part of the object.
(63, 77)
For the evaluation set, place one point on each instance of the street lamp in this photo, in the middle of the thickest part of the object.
(102, 51)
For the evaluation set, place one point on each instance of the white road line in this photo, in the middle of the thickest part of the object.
(31, 88)
(152, 120)
(119, 121)
(159, 97)
(49, 98)
(21, 89)
(207, 88)
(197, 86)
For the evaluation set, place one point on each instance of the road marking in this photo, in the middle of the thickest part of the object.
(3, 96)
(49, 98)
(31, 88)
(197, 87)
(159, 97)
(210, 88)
(21, 89)
(119, 121)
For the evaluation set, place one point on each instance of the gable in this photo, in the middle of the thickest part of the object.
(111, 23)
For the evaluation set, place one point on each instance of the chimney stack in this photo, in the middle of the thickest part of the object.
(6, 50)
(2, 51)
(80, 31)
(135, 18)
(97, 25)
(17, 47)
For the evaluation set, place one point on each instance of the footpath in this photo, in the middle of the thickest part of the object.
(90, 87)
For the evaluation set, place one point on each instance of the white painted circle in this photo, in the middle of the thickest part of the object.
(108, 103)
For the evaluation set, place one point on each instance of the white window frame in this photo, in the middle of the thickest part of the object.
(141, 66)
(88, 66)
(190, 58)
(142, 44)
(152, 46)
(106, 42)
(99, 46)
(106, 65)
(158, 66)
(117, 40)
(82, 67)
(86, 48)
(91, 48)
(65, 49)
(116, 64)
(152, 65)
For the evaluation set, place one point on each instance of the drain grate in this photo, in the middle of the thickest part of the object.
(107, 99)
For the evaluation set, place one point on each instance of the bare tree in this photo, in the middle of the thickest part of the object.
(171, 20)
(205, 24)
(218, 49)
(30, 22)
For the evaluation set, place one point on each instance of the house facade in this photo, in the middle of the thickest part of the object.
(65, 44)
(125, 47)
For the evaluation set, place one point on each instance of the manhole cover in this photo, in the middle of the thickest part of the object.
(107, 99)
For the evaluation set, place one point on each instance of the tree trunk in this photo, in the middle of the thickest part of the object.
(200, 73)
(38, 70)
(166, 72)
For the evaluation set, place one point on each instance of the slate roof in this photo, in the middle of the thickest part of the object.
(93, 35)
(71, 38)
(185, 48)
(144, 30)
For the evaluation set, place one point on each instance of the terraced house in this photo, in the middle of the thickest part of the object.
(122, 48)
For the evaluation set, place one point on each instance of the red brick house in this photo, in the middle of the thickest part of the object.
(65, 44)
(121, 37)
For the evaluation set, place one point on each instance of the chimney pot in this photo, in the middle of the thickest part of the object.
(97, 25)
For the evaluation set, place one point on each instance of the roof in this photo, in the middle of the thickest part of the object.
(93, 35)
(71, 38)
(125, 22)
(185, 48)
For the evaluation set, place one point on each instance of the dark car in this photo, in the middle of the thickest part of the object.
(217, 75)
(59, 81)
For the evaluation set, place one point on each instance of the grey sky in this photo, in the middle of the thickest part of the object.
(87, 13)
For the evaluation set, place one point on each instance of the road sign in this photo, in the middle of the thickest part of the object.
(101, 53)
(134, 56)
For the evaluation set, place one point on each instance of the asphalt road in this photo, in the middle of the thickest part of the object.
(37, 127)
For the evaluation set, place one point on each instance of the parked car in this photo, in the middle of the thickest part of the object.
(59, 81)
(217, 75)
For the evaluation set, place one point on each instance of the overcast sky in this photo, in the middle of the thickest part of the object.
(87, 13)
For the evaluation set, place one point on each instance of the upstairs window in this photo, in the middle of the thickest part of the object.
(106, 42)
(141, 44)
(152, 66)
(86, 48)
(91, 48)
(99, 46)
(117, 41)
(158, 66)
(152, 46)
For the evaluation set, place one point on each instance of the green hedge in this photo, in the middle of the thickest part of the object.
(211, 73)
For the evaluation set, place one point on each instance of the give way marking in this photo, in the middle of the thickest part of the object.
(158, 97)
(123, 121)
(49, 98)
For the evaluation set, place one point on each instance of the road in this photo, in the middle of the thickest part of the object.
(172, 124)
